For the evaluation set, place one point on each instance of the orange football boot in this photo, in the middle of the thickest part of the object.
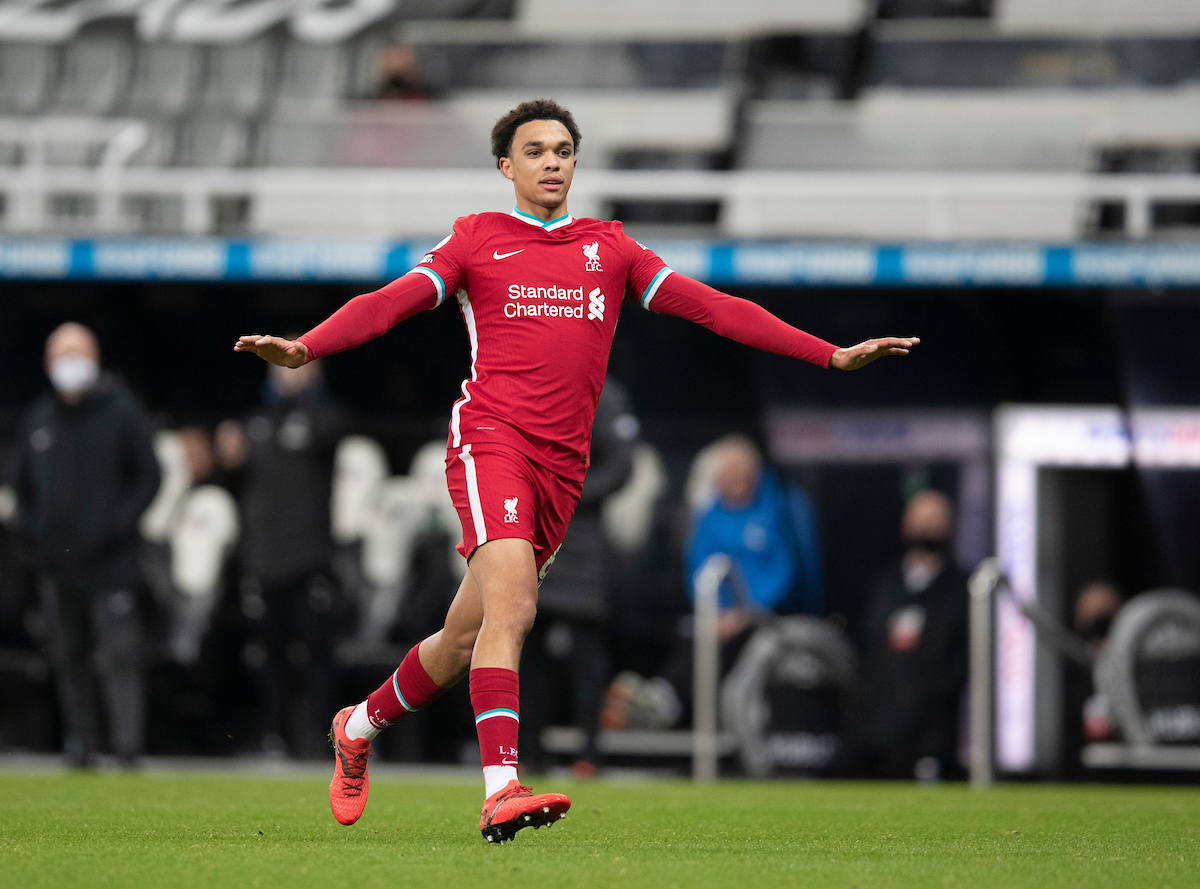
(507, 811)
(348, 789)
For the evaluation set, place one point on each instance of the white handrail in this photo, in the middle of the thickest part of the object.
(983, 585)
(738, 193)
(706, 663)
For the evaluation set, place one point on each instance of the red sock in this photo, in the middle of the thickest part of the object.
(406, 691)
(495, 696)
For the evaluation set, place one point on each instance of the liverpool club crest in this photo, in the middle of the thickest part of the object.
(592, 252)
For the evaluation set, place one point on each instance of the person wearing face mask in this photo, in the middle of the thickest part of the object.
(283, 452)
(904, 721)
(84, 471)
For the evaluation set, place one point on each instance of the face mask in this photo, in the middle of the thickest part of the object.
(72, 374)
(927, 544)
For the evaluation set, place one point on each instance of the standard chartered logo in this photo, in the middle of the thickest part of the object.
(596, 305)
(528, 301)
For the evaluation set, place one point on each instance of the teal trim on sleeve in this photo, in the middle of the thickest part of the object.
(437, 282)
(655, 283)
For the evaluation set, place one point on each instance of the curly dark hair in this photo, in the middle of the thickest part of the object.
(538, 109)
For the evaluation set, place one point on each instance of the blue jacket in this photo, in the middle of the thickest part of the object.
(772, 541)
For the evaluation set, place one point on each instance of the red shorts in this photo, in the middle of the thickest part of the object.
(499, 492)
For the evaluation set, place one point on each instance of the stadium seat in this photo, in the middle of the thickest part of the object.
(628, 513)
(576, 66)
(26, 74)
(1148, 669)
(666, 18)
(428, 469)
(394, 518)
(1090, 17)
(204, 533)
(680, 120)
(212, 141)
(156, 522)
(405, 509)
(228, 22)
(330, 21)
(454, 133)
(359, 466)
(936, 131)
(314, 74)
(161, 146)
(164, 79)
(813, 664)
(1005, 130)
(240, 78)
(93, 74)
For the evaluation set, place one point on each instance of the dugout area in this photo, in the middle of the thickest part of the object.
(981, 347)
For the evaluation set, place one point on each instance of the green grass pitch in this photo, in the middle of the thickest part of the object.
(189, 830)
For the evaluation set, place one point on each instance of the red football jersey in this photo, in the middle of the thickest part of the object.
(540, 302)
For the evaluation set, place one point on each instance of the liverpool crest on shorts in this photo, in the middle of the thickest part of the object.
(592, 252)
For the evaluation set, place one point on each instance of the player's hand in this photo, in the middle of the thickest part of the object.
(854, 357)
(275, 349)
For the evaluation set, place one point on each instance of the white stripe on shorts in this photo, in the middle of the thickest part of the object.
(473, 495)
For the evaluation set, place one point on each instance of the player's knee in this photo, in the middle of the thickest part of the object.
(527, 616)
(519, 617)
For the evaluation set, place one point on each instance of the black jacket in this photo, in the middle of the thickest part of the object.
(84, 474)
(287, 485)
(911, 682)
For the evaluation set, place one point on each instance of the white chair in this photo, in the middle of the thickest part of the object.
(201, 540)
(93, 74)
(26, 73)
(212, 141)
(164, 78)
(628, 514)
(407, 508)
(359, 467)
(159, 518)
(240, 77)
(399, 516)
(429, 469)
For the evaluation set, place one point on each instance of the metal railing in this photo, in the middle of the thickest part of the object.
(983, 585)
(706, 664)
(380, 203)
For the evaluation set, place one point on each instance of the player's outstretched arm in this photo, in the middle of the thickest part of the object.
(751, 324)
(275, 349)
(362, 318)
(854, 357)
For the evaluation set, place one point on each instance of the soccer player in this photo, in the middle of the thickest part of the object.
(539, 291)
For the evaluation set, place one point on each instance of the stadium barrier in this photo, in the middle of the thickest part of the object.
(982, 586)
(1145, 674)
(705, 742)
(720, 263)
(1028, 441)
(360, 203)
(707, 667)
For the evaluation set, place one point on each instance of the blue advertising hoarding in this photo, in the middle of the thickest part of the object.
(752, 263)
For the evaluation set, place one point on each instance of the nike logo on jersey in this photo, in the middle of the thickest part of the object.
(498, 255)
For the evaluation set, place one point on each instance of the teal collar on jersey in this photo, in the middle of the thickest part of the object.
(548, 226)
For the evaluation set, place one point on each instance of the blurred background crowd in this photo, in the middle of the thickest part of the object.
(203, 556)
